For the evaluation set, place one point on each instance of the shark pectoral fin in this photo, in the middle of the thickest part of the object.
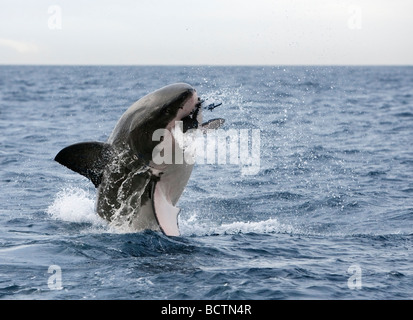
(87, 158)
(213, 124)
(166, 214)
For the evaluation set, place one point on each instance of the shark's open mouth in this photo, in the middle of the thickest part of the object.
(191, 120)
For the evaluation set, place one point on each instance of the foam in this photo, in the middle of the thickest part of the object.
(192, 226)
(74, 204)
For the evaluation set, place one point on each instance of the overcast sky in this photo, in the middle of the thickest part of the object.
(206, 32)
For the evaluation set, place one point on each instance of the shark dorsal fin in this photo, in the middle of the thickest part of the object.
(87, 158)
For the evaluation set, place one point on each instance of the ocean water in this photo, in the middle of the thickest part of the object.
(329, 214)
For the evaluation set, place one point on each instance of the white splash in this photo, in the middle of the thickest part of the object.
(192, 226)
(74, 204)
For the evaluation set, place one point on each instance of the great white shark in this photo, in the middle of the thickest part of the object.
(133, 189)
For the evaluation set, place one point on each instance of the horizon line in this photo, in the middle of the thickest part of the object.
(198, 65)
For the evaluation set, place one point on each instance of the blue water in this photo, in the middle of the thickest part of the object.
(333, 194)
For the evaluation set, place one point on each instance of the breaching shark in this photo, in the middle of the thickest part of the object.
(132, 188)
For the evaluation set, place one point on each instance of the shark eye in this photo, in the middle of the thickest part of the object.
(166, 111)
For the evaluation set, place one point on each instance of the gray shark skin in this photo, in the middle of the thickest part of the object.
(132, 190)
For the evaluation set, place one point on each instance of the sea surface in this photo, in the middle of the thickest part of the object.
(328, 215)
